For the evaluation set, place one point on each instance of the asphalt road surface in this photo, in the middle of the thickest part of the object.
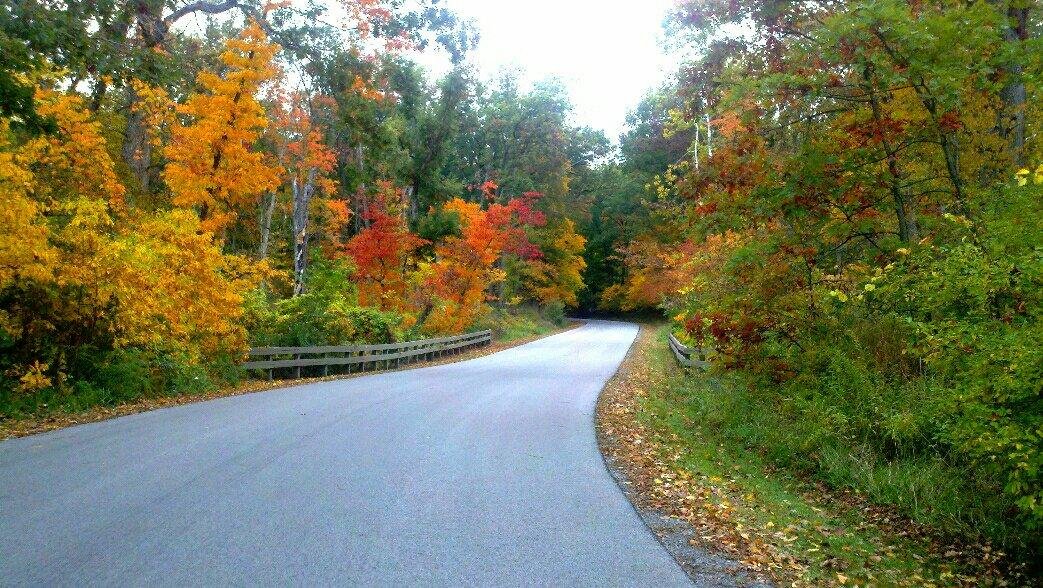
(482, 472)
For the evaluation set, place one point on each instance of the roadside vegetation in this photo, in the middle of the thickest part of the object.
(683, 439)
(845, 206)
(510, 327)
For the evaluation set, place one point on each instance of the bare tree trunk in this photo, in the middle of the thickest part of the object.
(695, 151)
(266, 225)
(301, 200)
(709, 136)
(414, 209)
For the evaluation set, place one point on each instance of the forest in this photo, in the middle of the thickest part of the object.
(174, 194)
(840, 200)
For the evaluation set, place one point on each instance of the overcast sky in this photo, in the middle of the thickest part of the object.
(608, 53)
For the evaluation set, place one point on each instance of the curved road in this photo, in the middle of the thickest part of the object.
(483, 472)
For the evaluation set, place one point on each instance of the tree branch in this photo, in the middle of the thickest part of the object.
(201, 6)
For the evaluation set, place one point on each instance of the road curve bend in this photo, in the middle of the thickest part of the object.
(482, 472)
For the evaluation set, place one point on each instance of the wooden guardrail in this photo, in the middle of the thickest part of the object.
(688, 356)
(385, 355)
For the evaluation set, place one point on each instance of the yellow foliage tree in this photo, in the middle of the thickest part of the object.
(175, 289)
(76, 160)
(25, 252)
(558, 277)
(102, 269)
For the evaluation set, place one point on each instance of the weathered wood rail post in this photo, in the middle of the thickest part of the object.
(688, 356)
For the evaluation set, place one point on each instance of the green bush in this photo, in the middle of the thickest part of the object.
(313, 319)
(518, 322)
(325, 314)
(117, 377)
(851, 430)
(555, 313)
(127, 374)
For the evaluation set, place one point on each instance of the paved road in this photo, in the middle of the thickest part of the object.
(483, 472)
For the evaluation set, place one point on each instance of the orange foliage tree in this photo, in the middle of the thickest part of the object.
(212, 163)
(465, 266)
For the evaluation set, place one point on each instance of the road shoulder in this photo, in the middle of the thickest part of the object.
(634, 460)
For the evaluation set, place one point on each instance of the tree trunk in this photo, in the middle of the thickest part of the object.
(360, 161)
(414, 208)
(137, 149)
(266, 225)
(1012, 122)
(908, 228)
(709, 136)
(301, 200)
(695, 151)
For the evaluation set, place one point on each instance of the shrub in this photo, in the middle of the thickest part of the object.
(917, 383)
(325, 314)
(555, 313)
(98, 378)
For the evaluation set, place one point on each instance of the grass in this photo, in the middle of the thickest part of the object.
(521, 322)
(788, 525)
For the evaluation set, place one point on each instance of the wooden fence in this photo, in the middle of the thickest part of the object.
(688, 356)
(348, 357)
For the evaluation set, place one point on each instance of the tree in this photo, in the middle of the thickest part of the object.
(558, 275)
(213, 166)
(307, 160)
(383, 251)
(92, 273)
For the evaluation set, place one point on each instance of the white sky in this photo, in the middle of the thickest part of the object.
(608, 53)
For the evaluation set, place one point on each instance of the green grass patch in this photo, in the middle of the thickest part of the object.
(522, 322)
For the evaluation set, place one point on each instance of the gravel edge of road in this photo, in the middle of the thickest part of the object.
(703, 567)
(33, 426)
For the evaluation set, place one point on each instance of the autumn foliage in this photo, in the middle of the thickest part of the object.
(79, 256)
(846, 222)
(214, 166)
(158, 221)
(383, 252)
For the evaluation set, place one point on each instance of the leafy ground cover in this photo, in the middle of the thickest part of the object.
(788, 528)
